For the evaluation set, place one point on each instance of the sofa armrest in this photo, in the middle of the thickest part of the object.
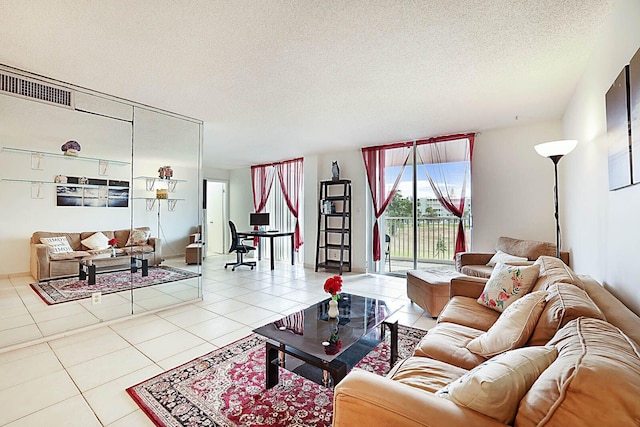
(366, 399)
(39, 261)
(467, 286)
(472, 258)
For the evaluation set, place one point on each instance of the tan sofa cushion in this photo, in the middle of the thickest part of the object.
(467, 312)
(68, 255)
(506, 284)
(506, 258)
(447, 343)
(476, 270)
(495, 387)
(595, 381)
(73, 238)
(144, 249)
(564, 303)
(513, 328)
(530, 249)
(553, 270)
(424, 373)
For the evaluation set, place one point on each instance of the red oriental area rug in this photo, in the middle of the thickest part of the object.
(227, 388)
(72, 289)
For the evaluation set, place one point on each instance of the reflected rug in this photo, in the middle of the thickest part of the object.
(227, 388)
(72, 289)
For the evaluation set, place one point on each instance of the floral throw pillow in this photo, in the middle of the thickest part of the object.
(508, 283)
(138, 237)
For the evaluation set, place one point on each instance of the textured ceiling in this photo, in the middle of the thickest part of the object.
(279, 79)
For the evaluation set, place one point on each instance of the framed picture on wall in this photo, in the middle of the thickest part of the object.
(618, 139)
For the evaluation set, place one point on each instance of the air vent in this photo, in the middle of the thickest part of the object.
(36, 91)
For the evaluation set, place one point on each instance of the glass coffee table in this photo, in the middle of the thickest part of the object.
(88, 266)
(311, 336)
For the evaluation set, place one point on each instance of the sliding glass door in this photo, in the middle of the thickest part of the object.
(428, 219)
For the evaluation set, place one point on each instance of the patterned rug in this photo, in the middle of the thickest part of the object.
(227, 388)
(72, 289)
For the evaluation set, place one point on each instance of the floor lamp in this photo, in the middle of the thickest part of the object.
(555, 150)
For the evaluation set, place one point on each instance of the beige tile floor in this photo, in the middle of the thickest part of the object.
(80, 380)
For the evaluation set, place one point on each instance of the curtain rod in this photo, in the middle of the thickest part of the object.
(278, 163)
(442, 138)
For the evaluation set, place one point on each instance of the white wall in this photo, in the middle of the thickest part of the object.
(240, 197)
(601, 228)
(512, 186)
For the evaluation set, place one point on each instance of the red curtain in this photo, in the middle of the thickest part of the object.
(384, 163)
(290, 174)
(433, 156)
(261, 182)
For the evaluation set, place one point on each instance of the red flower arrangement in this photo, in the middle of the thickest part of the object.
(333, 285)
(334, 347)
(113, 242)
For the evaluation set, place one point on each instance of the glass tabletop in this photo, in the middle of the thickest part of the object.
(313, 332)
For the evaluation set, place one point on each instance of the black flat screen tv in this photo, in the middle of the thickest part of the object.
(259, 219)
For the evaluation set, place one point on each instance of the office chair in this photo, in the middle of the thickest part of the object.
(239, 248)
(387, 252)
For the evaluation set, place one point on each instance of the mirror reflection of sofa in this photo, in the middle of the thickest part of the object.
(45, 264)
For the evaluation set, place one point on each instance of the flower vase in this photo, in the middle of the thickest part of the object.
(333, 309)
(113, 252)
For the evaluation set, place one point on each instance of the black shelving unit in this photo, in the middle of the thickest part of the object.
(333, 250)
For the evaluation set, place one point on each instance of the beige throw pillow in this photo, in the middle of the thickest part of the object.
(496, 387)
(57, 244)
(138, 237)
(513, 328)
(506, 284)
(506, 258)
(97, 241)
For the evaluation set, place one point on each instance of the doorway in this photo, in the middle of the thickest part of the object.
(216, 228)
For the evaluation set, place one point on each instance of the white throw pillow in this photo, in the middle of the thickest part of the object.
(57, 244)
(495, 387)
(138, 237)
(506, 258)
(513, 328)
(97, 241)
(508, 283)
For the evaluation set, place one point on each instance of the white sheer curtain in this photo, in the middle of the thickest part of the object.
(435, 158)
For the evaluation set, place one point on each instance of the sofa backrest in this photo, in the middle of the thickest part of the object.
(529, 248)
(594, 381)
(73, 238)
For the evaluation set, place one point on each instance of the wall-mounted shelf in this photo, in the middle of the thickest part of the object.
(37, 181)
(150, 182)
(151, 202)
(59, 155)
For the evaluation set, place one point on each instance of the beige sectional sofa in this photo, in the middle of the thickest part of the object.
(594, 379)
(475, 263)
(46, 265)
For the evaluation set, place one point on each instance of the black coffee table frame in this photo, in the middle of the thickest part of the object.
(87, 270)
(336, 369)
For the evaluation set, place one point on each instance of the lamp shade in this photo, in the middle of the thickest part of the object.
(556, 148)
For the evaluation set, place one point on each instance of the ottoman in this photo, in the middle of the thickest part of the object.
(430, 288)
(193, 253)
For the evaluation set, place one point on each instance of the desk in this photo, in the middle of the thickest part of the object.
(269, 235)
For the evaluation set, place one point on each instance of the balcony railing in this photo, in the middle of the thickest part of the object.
(436, 238)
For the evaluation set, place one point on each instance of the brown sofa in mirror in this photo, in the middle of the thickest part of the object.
(475, 263)
(46, 265)
(592, 380)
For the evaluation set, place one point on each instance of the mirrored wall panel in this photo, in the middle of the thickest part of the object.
(100, 202)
